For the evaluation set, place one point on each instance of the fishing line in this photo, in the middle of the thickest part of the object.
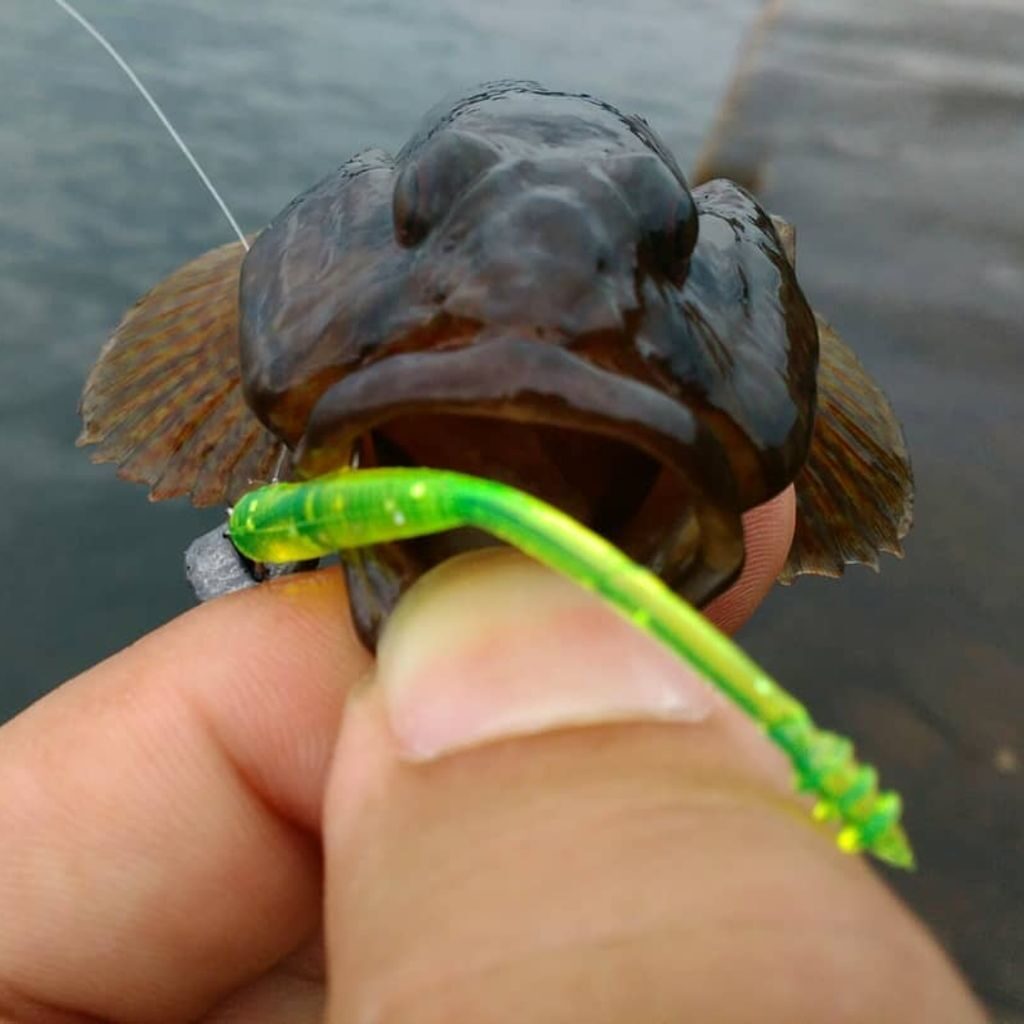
(164, 120)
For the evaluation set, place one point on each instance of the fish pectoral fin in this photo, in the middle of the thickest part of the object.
(164, 400)
(855, 493)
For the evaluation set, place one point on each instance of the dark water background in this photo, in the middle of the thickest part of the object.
(909, 194)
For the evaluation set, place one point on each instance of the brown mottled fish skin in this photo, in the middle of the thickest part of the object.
(528, 291)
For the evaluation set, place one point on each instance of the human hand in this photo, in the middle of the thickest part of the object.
(183, 822)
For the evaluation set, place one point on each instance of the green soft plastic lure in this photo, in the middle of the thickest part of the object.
(352, 508)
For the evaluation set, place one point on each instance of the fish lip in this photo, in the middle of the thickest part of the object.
(516, 379)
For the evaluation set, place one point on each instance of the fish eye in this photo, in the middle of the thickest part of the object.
(665, 213)
(410, 225)
(431, 178)
(672, 242)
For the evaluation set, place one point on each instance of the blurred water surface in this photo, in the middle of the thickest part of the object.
(97, 206)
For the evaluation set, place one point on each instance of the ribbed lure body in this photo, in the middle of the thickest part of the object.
(354, 508)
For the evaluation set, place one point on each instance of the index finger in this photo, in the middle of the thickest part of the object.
(161, 811)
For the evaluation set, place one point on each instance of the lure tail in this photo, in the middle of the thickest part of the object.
(291, 522)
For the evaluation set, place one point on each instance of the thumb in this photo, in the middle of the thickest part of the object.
(537, 814)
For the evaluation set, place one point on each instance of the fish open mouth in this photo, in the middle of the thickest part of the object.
(615, 453)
